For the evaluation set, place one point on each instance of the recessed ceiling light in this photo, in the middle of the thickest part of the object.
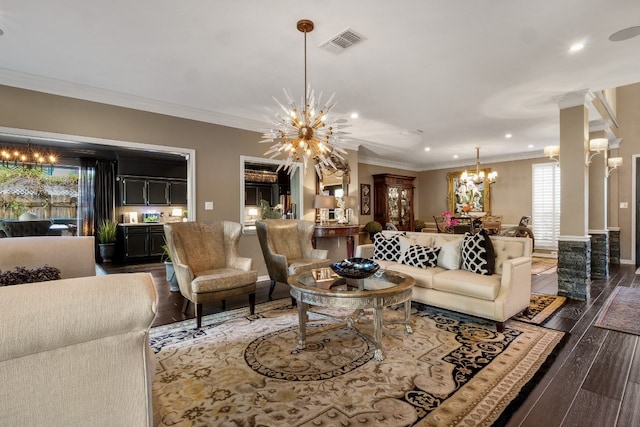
(427, 148)
(354, 115)
(576, 47)
(455, 156)
(530, 145)
(508, 135)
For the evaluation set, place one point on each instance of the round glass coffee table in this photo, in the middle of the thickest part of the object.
(324, 288)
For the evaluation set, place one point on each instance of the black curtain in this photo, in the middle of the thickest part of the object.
(104, 194)
(86, 182)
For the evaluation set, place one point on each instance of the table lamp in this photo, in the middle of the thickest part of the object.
(323, 203)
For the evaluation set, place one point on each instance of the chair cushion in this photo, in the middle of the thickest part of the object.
(303, 264)
(477, 253)
(221, 279)
(285, 240)
(201, 246)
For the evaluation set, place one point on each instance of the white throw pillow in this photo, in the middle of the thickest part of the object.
(449, 256)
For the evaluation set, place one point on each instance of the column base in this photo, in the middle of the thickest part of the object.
(574, 268)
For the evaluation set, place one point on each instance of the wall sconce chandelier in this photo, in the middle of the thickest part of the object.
(613, 163)
(27, 158)
(553, 152)
(478, 177)
(596, 145)
(308, 132)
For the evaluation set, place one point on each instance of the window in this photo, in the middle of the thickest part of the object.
(546, 204)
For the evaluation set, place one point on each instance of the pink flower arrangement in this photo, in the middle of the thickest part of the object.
(449, 221)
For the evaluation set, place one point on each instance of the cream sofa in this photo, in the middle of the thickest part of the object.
(74, 352)
(496, 297)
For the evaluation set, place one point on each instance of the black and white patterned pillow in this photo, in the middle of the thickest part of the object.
(420, 256)
(478, 255)
(387, 249)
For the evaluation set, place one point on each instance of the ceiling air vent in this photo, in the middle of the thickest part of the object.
(344, 40)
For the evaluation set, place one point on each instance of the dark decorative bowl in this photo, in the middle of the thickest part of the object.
(355, 268)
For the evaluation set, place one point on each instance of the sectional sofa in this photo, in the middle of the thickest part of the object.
(497, 296)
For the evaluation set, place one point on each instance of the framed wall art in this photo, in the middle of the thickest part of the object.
(365, 199)
(463, 197)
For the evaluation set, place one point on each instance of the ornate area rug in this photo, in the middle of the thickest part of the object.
(621, 311)
(541, 308)
(540, 265)
(246, 371)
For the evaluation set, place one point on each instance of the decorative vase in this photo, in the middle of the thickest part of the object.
(171, 276)
(106, 251)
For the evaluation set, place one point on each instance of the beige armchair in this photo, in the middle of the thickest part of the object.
(287, 249)
(207, 264)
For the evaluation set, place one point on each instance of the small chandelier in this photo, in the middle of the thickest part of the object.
(29, 158)
(478, 177)
(306, 133)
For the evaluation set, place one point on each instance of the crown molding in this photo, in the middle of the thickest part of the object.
(376, 161)
(485, 160)
(573, 99)
(94, 94)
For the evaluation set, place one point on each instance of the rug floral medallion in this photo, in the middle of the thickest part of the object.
(246, 371)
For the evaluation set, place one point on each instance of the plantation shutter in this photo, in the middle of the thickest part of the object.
(546, 204)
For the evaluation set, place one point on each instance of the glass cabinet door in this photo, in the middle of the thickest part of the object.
(394, 212)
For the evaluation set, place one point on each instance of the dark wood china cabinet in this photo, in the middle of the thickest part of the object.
(393, 200)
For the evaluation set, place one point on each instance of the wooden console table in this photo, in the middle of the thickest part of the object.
(349, 231)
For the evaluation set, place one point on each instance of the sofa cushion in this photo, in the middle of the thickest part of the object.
(420, 256)
(466, 283)
(449, 256)
(423, 276)
(386, 248)
(20, 275)
(477, 253)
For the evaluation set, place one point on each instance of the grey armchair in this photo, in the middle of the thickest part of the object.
(287, 249)
(207, 264)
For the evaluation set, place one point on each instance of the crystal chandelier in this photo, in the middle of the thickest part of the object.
(478, 177)
(29, 158)
(308, 132)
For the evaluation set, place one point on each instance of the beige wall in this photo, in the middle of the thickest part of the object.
(218, 150)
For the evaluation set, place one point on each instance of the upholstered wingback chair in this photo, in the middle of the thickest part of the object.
(287, 248)
(207, 264)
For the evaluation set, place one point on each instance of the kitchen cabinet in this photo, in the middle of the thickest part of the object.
(142, 191)
(393, 200)
(178, 193)
(253, 193)
(140, 241)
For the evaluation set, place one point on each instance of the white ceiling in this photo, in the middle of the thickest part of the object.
(464, 72)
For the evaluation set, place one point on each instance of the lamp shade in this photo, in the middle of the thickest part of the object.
(352, 202)
(598, 144)
(323, 202)
(614, 162)
(552, 150)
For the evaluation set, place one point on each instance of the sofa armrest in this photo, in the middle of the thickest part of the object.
(364, 251)
(44, 316)
(515, 287)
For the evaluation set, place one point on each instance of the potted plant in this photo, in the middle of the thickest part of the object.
(372, 227)
(419, 225)
(169, 270)
(106, 233)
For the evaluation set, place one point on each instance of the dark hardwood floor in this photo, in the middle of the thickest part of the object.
(594, 380)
